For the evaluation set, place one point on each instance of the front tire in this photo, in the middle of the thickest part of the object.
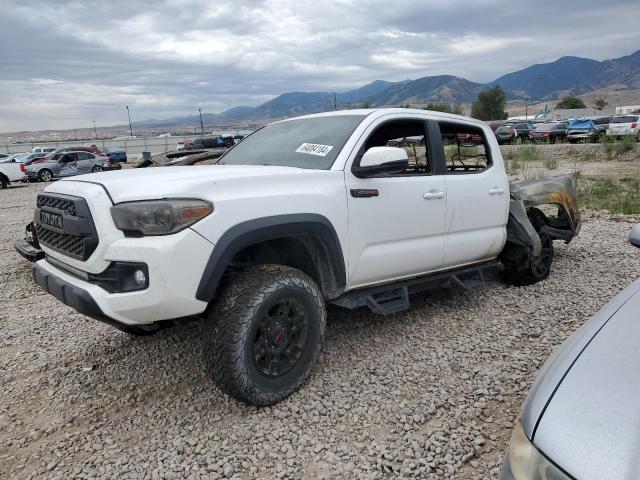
(45, 175)
(263, 334)
(96, 168)
(521, 267)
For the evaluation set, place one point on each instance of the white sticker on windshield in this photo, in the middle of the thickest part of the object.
(314, 149)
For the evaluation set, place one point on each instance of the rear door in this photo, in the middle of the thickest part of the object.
(477, 197)
(85, 162)
(396, 221)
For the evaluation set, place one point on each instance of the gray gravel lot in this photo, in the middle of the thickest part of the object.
(429, 393)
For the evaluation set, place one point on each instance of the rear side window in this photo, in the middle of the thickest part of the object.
(626, 119)
(465, 147)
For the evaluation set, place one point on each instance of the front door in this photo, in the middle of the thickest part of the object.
(396, 222)
(68, 165)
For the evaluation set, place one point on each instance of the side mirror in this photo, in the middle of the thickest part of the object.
(634, 236)
(381, 161)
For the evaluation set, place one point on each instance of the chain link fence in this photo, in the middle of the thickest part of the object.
(133, 146)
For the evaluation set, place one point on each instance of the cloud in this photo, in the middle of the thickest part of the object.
(68, 62)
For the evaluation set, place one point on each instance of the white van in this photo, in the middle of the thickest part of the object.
(42, 149)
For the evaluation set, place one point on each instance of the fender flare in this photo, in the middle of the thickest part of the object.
(260, 230)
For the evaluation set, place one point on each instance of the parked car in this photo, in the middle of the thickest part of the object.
(10, 172)
(581, 418)
(523, 129)
(92, 149)
(602, 123)
(625, 125)
(183, 144)
(506, 134)
(584, 130)
(494, 125)
(67, 164)
(210, 142)
(13, 158)
(28, 157)
(548, 132)
(292, 238)
(116, 155)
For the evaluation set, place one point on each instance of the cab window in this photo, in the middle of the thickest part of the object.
(409, 135)
(465, 148)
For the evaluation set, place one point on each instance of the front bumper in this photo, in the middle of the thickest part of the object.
(175, 266)
(28, 250)
(581, 136)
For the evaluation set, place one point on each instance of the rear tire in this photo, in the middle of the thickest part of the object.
(96, 168)
(4, 182)
(263, 334)
(521, 267)
(45, 175)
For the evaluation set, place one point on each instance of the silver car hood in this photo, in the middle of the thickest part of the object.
(591, 424)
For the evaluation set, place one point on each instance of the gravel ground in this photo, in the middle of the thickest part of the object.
(429, 393)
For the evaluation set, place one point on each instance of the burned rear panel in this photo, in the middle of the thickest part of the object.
(558, 191)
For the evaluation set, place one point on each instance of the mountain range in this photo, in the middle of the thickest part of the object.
(545, 81)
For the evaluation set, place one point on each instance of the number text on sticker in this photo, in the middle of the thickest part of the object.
(314, 149)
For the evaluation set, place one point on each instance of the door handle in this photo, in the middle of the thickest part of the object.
(496, 191)
(433, 195)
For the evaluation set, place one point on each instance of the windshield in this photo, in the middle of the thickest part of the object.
(503, 129)
(545, 127)
(304, 143)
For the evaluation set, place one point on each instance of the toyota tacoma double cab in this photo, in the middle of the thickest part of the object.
(355, 208)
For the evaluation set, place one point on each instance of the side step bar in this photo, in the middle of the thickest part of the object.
(394, 297)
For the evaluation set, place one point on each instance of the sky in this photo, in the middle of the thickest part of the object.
(65, 63)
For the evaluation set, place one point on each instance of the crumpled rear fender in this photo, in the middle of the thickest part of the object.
(560, 191)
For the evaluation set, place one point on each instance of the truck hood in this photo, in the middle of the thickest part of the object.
(591, 425)
(161, 182)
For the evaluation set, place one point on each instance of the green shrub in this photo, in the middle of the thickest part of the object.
(617, 196)
(614, 148)
(550, 164)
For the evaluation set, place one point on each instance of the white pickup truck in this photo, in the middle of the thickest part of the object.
(357, 208)
(11, 172)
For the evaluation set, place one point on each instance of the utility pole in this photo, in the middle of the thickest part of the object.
(335, 101)
(94, 128)
(201, 124)
(129, 115)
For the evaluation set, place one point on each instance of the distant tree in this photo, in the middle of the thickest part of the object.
(366, 104)
(457, 109)
(438, 107)
(490, 105)
(570, 103)
(600, 103)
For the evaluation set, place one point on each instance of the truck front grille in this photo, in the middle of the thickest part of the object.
(57, 202)
(63, 242)
(64, 224)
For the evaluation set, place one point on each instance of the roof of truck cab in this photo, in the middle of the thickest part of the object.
(375, 113)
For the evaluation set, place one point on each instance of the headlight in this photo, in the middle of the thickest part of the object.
(527, 463)
(159, 217)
